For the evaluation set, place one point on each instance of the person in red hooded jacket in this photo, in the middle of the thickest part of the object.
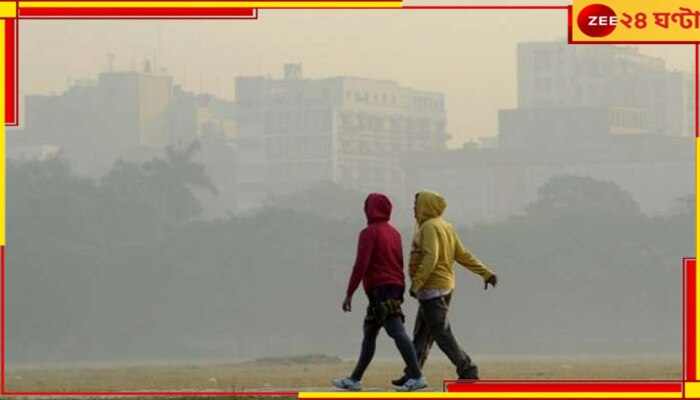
(379, 267)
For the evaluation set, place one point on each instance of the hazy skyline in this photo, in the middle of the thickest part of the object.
(470, 55)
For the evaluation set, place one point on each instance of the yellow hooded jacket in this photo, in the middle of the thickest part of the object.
(436, 247)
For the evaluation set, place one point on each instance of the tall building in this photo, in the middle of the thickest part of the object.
(558, 75)
(293, 132)
(606, 112)
(132, 107)
(93, 123)
(132, 115)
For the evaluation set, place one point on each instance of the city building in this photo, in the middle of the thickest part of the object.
(131, 115)
(606, 112)
(293, 132)
(93, 123)
(490, 185)
(194, 116)
(559, 75)
(559, 127)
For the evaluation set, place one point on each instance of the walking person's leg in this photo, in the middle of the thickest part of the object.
(395, 329)
(422, 342)
(422, 337)
(369, 345)
(435, 313)
(415, 379)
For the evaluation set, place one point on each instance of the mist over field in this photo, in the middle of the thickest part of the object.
(122, 269)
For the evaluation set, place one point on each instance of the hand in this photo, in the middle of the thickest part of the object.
(493, 280)
(347, 304)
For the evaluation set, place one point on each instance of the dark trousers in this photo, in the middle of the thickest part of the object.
(395, 329)
(433, 325)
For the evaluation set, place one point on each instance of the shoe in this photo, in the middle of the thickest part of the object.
(472, 373)
(347, 384)
(399, 382)
(412, 385)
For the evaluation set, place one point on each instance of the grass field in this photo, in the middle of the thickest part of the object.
(271, 376)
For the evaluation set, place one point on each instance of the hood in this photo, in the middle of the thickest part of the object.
(429, 204)
(377, 208)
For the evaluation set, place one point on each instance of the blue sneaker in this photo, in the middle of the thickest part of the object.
(347, 384)
(412, 385)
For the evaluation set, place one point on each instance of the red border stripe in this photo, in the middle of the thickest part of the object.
(476, 398)
(563, 387)
(10, 72)
(683, 322)
(690, 308)
(697, 90)
(135, 12)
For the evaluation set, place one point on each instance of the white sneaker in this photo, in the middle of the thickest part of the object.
(412, 385)
(347, 384)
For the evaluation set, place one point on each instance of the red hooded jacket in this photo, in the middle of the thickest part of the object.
(379, 252)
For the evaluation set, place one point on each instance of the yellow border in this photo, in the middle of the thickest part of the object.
(212, 4)
(692, 389)
(8, 9)
(491, 395)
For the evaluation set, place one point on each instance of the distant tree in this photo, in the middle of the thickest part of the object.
(154, 196)
(48, 202)
(52, 233)
(683, 206)
(578, 196)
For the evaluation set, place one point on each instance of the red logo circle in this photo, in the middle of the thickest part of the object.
(597, 20)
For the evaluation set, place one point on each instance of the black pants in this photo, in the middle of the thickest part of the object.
(433, 325)
(395, 329)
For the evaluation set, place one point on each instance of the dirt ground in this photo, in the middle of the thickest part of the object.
(316, 376)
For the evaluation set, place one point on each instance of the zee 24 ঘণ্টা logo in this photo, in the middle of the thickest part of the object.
(599, 20)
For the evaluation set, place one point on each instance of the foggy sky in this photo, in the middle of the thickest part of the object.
(470, 55)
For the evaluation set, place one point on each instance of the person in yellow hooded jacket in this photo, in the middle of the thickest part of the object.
(435, 248)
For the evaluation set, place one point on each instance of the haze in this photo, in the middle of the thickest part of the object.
(470, 55)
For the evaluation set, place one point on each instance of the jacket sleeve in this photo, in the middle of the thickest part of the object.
(465, 258)
(364, 254)
(429, 246)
